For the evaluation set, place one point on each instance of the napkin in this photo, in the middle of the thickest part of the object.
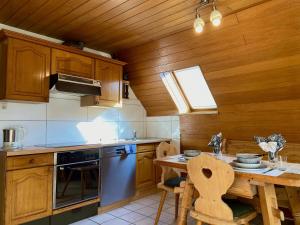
(268, 146)
(272, 143)
(274, 173)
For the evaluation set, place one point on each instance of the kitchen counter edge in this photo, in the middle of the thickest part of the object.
(40, 150)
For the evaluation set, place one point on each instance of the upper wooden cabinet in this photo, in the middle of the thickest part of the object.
(73, 64)
(110, 76)
(25, 70)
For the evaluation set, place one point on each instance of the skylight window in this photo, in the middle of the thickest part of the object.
(189, 90)
(175, 92)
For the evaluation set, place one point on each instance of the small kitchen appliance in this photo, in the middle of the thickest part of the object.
(9, 138)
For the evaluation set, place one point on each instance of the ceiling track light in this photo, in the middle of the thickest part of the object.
(215, 15)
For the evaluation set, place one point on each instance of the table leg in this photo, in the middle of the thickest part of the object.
(293, 194)
(268, 203)
(186, 203)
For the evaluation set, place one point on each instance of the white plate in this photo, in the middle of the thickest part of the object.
(191, 153)
(246, 165)
(248, 158)
(188, 157)
(262, 167)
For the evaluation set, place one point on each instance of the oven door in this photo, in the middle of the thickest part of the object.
(74, 183)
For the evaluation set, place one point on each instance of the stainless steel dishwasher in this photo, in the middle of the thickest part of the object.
(118, 173)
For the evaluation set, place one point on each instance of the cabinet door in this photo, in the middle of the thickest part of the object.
(111, 84)
(28, 69)
(145, 175)
(29, 194)
(72, 64)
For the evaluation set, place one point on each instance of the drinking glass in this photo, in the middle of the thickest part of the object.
(282, 163)
(21, 137)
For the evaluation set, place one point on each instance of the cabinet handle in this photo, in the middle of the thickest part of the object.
(31, 161)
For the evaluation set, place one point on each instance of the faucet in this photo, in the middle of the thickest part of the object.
(134, 135)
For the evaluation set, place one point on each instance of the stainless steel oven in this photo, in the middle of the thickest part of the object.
(76, 177)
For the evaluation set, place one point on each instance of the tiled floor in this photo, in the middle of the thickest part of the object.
(142, 212)
(139, 212)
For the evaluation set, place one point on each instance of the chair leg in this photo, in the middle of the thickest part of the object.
(161, 204)
(176, 205)
(67, 183)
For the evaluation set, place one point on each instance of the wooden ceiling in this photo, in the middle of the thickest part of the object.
(108, 25)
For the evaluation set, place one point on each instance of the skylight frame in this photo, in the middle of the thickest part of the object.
(190, 108)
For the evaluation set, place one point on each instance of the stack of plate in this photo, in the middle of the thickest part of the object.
(188, 154)
(251, 162)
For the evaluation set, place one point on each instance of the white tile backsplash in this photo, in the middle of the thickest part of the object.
(22, 111)
(131, 113)
(64, 131)
(97, 114)
(66, 110)
(126, 129)
(63, 120)
(35, 131)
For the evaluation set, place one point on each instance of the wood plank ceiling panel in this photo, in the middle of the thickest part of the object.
(109, 25)
(251, 63)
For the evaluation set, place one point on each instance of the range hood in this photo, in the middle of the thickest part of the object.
(74, 85)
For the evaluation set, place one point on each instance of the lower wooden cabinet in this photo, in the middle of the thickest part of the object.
(145, 173)
(29, 194)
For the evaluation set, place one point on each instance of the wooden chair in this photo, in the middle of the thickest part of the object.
(170, 179)
(212, 178)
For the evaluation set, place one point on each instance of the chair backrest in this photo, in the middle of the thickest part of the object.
(165, 149)
(291, 150)
(211, 178)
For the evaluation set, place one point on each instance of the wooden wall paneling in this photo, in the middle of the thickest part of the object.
(101, 18)
(227, 58)
(132, 17)
(75, 14)
(10, 7)
(174, 24)
(54, 16)
(253, 77)
(3, 3)
(29, 8)
(160, 21)
(89, 17)
(44, 11)
(109, 25)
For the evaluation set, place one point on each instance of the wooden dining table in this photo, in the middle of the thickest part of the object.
(265, 185)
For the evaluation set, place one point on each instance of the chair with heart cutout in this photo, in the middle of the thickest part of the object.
(212, 178)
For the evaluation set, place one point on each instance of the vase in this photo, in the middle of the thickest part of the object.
(273, 157)
(217, 150)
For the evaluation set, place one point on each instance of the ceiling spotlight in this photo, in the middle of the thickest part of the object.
(199, 24)
(215, 17)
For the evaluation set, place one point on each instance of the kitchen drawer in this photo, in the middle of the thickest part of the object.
(29, 161)
(145, 148)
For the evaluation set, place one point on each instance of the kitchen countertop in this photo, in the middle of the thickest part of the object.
(40, 150)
